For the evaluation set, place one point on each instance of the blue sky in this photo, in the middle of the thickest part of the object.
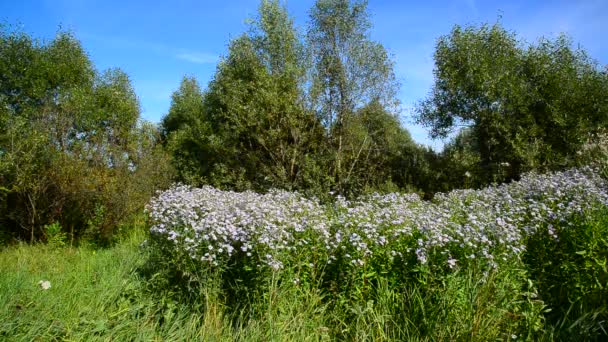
(157, 42)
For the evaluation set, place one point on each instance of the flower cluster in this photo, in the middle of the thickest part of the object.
(212, 225)
(490, 225)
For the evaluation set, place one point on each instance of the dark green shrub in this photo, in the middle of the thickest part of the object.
(72, 148)
(570, 270)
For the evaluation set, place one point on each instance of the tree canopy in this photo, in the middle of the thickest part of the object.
(284, 110)
(529, 106)
(71, 143)
(313, 110)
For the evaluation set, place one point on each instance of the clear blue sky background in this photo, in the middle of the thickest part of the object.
(157, 42)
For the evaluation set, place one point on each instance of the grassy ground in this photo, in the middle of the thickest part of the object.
(98, 294)
(88, 296)
(103, 294)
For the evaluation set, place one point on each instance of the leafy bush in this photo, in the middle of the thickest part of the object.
(356, 251)
(595, 152)
(54, 235)
(571, 272)
(528, 105)
(70, 141)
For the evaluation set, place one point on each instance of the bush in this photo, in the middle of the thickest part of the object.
(595, 152)
(72, 148)
(356, 253)
(569, 268)
(54, 235)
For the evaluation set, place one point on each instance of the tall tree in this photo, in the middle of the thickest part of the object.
(350, 71)
(392, 157)
(286, 112)
(187, 134)
(529, 106)
(70, 139)
(259, 128)
(186, 107)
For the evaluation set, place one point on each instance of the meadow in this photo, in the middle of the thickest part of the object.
(519, 261)
(283, 198)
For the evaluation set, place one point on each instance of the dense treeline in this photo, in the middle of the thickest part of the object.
(527, 106)
(318, 111)
(75, 158)
(314, 111)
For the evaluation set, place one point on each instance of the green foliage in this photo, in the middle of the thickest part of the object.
(70, 140)
(55, 237)
(350, 70)
(250, 129)
(353, 93)
(263, 129)
(524, 260)
(186, 133)
(529, 106)
(557, 290)
(94, 224)
(317, 114)
(125, 302)
(456, 167)
(268, 118)
(595, 152)
(572, 275)
(186, 107)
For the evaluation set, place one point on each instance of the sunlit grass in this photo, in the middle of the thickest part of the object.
(109, 294)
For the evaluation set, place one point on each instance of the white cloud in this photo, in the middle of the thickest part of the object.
(197, 57)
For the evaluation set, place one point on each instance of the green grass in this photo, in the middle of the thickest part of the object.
(98, 294)
(109, 294)
(88, 295)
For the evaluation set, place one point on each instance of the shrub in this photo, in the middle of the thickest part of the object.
(356, 251)
(595, 152)
(54, 235)
(571, 272)
(70, 141)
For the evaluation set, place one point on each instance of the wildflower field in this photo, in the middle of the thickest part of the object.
(527, 243)
(292, 194)
(520, 261)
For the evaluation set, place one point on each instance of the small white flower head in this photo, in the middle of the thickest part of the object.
(44, 284)
(421, 255)
(467, 174)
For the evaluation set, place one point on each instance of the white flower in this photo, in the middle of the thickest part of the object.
(44, 284)
(486, 224)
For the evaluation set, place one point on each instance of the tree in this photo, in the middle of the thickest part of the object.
(186, 133)
(72, 148)
(286, 112)
(186, 107)
(350, 72)
(260, 134)
(382, 152)
(529, 107)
